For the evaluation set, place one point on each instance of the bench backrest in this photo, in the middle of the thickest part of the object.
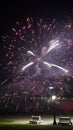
(36, 118)
(65, 119)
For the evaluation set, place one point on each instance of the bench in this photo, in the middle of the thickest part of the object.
(35, 120)
(64, 121)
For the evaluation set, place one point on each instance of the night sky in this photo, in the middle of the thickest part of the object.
(11, 11)
(35, 27)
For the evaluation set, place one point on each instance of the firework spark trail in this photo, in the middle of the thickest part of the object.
(26, 66)
(4, 82)
(61, 68)
(46, 63)
(56, 43)
(30, 52)
(50, 65)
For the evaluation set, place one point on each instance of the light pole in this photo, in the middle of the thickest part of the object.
(54, 109)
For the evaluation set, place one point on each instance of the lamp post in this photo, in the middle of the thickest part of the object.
(54, 109)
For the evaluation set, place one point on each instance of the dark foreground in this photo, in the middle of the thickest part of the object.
(34, 127)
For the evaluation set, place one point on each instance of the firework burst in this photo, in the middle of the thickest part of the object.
(37, 54)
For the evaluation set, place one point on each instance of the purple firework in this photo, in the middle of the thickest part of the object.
(37, 54)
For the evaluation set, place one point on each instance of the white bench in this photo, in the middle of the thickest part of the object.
(35, 120)
(64, 121)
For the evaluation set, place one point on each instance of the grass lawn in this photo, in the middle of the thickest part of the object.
(9, 125)
(33, 127)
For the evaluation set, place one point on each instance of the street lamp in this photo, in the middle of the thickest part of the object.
(54, 109)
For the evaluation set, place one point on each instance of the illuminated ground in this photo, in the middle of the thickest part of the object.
(25, 120)
(47, 120)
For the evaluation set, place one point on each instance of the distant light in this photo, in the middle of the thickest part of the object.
(53, 97)
(50, 88)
